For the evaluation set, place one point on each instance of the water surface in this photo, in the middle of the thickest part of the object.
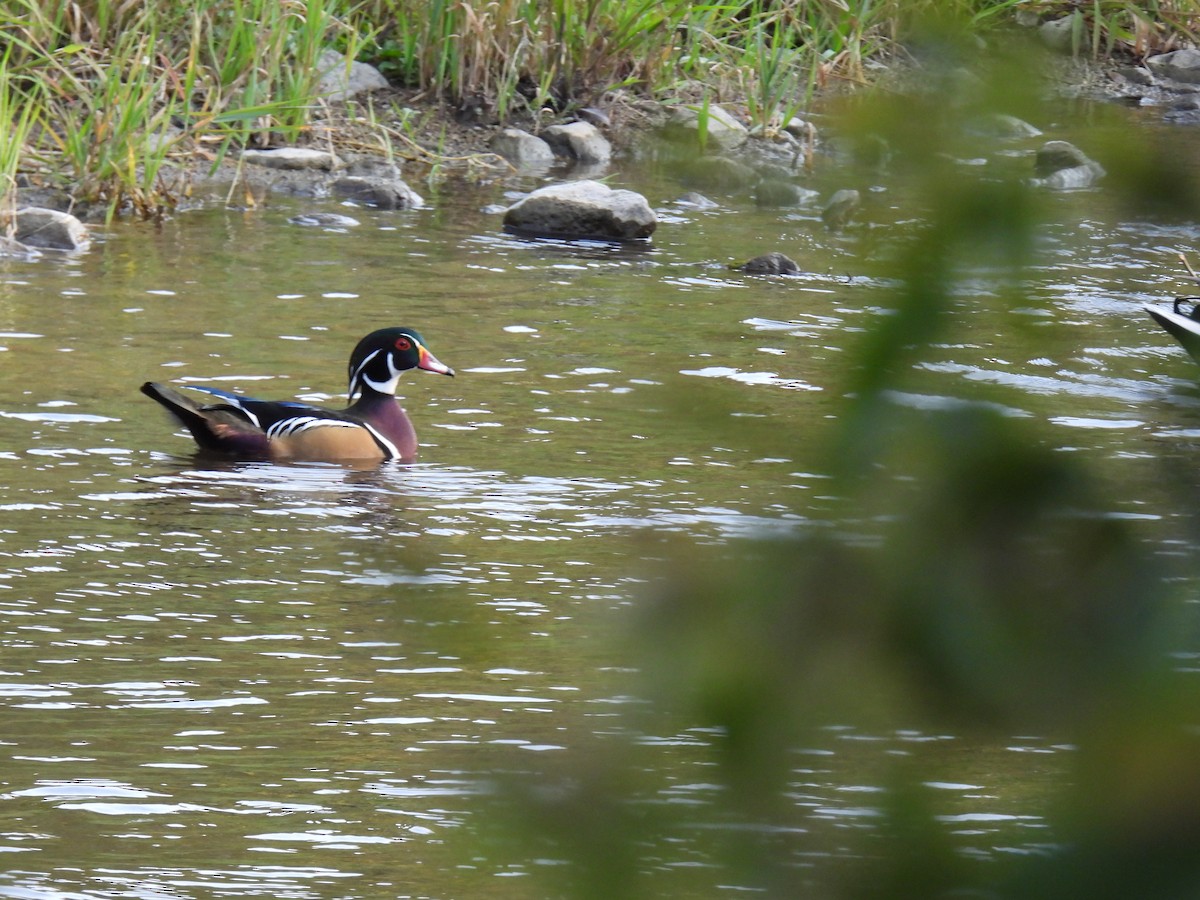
(253, 680)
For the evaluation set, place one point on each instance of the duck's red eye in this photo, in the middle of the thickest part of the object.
(403, 343)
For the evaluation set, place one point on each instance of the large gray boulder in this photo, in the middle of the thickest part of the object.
(583, 209)
(526, 152)
(341, 81)
(1178, 65)
(49, 229)
(579, 140)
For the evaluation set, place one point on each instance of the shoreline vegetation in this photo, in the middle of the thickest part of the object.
(117, 104)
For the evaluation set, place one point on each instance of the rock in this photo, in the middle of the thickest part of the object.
(594, 116)
(299, 183)
(1138, 75)
(698, 201)
(525, 151)
(1179, 65)
(723, 131)
(1000, 125)
(292, 158)
(378, 191)
(1056, 155)
(717, 173)
(45, 197)
(12, 249)
(49, 229)
(799, 128)
(323, 220)
(771, 264)
(840, 209)
(1058, 34)
(779, 192)
(373, 167)
(583, 209)
(579, 140)
(1184, 112)
(341, 82)
(1062, 166)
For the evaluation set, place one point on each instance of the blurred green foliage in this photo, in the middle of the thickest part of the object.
(971, 579)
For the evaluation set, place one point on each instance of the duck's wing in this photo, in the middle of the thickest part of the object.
(302, 431)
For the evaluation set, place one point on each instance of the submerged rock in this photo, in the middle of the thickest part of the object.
(13, 249)
(774, 263)
(1002, 125)
(780, 192)
(840, 209)
(49, 229)
(696, 200)
(323, 220)
(583, 209)
(1061, 166)
(717, 173)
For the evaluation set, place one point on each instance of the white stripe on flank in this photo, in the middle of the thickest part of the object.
(286, 428)
(391, 449)
(297, 424)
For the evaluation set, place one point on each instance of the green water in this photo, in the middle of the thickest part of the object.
(295, 681)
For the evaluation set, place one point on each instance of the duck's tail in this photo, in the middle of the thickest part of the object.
(219, 427)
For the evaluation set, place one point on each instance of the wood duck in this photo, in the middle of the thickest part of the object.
(373, 427)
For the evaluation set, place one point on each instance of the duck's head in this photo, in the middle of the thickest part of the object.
(379, 359)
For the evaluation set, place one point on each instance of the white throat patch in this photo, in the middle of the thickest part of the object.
(384, 387)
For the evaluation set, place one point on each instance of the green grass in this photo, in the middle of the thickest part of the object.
(117, 90)
(103, 96)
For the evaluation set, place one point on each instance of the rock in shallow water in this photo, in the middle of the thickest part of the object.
(771, 264)
(1178, 65)
(716, 173)
(840, 209)
(776, 192)
(696, 200)
(323, 220)
(377, 191)
(583, 209)
(11, 249)
(1062, 166)
(49, 229)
